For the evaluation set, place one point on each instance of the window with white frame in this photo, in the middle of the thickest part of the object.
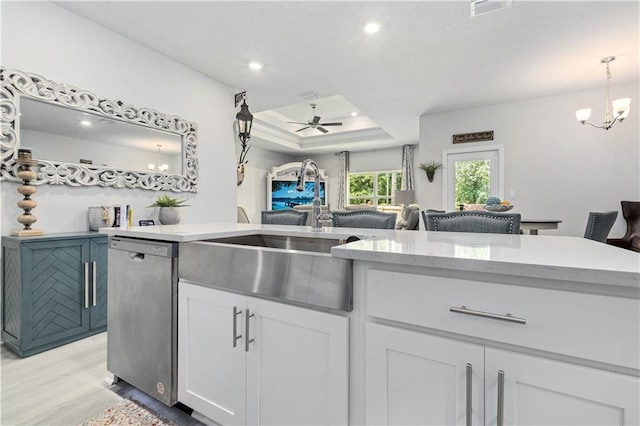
(374, 188)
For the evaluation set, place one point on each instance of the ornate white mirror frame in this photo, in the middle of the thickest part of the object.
(15, 83)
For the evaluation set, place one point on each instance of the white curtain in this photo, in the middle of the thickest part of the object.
(343, 179)
(407, 167)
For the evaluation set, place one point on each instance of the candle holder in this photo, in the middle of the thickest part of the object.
(27, 204)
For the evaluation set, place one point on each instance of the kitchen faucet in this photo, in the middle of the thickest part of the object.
(315, 213)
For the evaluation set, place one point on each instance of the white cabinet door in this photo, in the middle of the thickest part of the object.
(297, 366)
(539, 391)
(417, 379)
(211, 371)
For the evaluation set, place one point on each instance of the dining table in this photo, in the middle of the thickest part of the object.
(533, 225)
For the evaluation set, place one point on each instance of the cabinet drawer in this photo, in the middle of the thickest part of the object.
(594, 327)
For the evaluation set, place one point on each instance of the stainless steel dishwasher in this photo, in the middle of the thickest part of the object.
(142, 315)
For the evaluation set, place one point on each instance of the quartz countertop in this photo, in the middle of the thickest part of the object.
(205, 231)
(538, 256)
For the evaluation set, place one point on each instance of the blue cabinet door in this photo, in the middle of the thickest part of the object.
(55, 294)
(98, 310)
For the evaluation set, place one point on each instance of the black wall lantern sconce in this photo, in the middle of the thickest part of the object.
(244, 120)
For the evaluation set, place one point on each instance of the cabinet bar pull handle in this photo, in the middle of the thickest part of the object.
(95, 297)
(469, 400)
(246, 330)
(500, 420)
(467, 311)
(86, 285)
(236, 312)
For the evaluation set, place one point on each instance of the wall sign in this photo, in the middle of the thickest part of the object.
(487, 135)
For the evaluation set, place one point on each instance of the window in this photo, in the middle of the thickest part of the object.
(374, 188)
(472, 175)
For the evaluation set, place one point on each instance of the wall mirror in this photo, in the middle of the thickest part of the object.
(80, 139)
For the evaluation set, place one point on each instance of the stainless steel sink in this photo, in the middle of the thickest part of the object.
(294, 269)
(317, 245)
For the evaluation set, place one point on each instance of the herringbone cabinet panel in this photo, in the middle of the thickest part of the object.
(99, 251)
(57, 291)
(50, 296)
(11, 293)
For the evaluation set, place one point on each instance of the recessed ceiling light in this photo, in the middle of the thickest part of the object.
(372, 28)
(85, 123)
(256, 66)
(354, 114)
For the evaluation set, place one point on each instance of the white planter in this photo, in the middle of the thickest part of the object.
(169, 215)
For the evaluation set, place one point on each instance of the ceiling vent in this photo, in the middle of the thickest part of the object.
(310, 96)
(480, 7)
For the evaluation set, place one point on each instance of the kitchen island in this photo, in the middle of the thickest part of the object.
(450, 328)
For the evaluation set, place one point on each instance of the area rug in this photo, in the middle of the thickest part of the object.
(129, 412)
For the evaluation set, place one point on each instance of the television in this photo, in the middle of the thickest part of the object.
(285, 196)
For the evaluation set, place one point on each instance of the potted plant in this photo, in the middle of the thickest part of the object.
(169, 213)
(430, 168)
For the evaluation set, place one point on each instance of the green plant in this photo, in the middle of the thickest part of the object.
(430, 168)
(166, 201)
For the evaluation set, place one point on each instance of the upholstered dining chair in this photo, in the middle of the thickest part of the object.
(474, 221)
(284, 217)
(424, 215)
(599, 225)
(631, 238)
(364, 219)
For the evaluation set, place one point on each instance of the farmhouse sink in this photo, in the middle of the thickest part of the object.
(297, 270)
(317, 245)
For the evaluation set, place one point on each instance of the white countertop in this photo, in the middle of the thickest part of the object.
(204, 231)
(539, 256)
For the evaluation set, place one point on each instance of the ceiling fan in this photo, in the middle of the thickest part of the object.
(315, 122)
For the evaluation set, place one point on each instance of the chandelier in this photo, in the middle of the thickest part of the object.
(621, 107)
(159, 166)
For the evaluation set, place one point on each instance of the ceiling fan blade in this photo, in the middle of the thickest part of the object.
(296, 122)
(316, 119)
(322, 129)
(330, 124)
(302, 128)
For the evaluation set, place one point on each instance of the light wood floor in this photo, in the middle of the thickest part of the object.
(66, 386)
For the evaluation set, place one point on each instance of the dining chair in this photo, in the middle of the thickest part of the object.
(284, 217)
(424, 215)
(474, 221)
(599, 225)
(631, 238)
(364, 219)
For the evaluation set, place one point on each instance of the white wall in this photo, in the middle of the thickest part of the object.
(252, 194)
(559, 168)
(43, 38)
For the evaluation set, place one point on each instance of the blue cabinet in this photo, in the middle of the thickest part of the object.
(54, 290)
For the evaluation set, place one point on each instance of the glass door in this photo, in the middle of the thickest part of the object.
(472, 175)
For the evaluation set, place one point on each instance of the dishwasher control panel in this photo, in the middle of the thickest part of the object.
(154, 248)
